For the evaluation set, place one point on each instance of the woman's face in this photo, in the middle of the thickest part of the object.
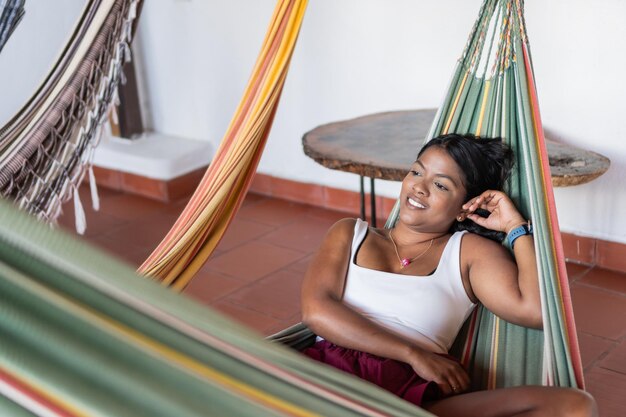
(432, 192)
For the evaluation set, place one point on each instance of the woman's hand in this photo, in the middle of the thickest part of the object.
(447, 374)
(504, 216)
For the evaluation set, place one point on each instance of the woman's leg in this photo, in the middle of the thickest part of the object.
(517, 401)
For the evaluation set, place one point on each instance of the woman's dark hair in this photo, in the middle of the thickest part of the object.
(486, 164)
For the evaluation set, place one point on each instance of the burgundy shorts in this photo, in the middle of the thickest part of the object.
(394, 376)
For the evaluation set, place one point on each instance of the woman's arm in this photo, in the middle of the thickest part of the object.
(509, 287)
(324, 312)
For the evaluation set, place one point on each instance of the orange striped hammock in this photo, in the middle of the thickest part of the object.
(210, 210)
(492, 94)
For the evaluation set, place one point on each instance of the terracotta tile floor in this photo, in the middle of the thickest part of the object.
(255, 274)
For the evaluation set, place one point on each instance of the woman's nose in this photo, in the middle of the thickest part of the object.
(420, 188)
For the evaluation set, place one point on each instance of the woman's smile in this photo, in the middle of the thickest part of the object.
(415, 203)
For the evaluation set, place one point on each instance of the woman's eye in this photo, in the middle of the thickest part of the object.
(441, 186)
(414, 172)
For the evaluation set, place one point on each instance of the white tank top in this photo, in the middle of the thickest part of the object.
(428, 310)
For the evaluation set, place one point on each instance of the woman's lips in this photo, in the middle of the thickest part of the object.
(414, 203)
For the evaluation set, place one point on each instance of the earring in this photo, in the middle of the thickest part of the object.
(459, 219)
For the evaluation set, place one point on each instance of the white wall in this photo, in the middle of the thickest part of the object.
(356, 57)
(579, 57)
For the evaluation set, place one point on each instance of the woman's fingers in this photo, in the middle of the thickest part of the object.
(459, 381)
(449, 375)
(449, 387)
(479, 220)
(502, 211)
(445, 388)
(487, 199)
(456, 388)
(462, 383)
(453, 380)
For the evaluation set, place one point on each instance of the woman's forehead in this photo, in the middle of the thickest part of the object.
(437, 161)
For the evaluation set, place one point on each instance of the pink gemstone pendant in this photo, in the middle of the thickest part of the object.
(405, 262)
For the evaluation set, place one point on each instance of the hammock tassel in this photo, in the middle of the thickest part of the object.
(113, 112)
(132, 12)
(93, 187)
(79, 214)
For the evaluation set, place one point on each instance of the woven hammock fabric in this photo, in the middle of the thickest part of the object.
(11, 13)
(46, 149)
(493, 94)
(83, 335)
(210, 210)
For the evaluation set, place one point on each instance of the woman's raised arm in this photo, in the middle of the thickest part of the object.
(507, 286)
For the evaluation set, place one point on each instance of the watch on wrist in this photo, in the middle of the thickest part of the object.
(521, 230)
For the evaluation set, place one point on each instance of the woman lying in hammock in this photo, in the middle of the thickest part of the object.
(388, 303)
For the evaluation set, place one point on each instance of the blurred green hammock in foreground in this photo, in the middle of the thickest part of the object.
(83, 335)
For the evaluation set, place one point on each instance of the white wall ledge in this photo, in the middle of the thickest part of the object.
(154, 155)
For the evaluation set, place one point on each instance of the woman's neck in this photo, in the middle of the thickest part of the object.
(407, 236)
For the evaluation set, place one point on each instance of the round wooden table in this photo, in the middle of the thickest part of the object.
(384, 145)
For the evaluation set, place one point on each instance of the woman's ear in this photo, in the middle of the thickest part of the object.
(461, 216)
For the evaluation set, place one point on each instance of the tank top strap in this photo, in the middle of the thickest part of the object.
(451, 256)
(448, 271)
(360, 231)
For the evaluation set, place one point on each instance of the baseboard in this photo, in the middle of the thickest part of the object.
(321, 196)
(156, 189)
(592, 251)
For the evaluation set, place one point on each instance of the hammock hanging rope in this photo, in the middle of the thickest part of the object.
(210, 210)
(11, 13)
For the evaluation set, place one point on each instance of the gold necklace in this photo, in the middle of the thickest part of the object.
(404, 262)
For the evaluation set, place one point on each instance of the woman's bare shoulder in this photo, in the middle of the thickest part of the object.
(476, 246)
(342, 233)
(343, 228)
(344, 224)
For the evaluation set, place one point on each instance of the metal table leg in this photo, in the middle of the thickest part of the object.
(362, 198)
(372, 200)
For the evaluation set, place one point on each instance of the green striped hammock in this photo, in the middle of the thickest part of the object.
(84, 335)
(492, 94)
